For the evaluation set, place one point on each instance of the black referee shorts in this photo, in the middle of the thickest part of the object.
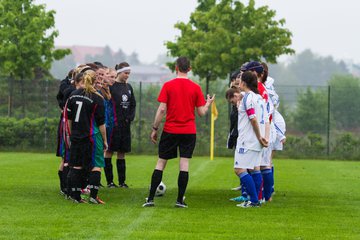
(170, 143)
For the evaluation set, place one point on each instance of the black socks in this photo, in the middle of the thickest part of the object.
(75, 181)
(60, 174)
(121, 169)
(64, 179)
(182, 184)
(108, 171)
(94, 183)
(155, 181)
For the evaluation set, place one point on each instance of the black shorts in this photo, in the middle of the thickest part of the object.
(120, 138)
(80, 154)
(170, 143)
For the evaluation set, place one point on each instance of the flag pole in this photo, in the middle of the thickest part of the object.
(212, 136)
(214, 114)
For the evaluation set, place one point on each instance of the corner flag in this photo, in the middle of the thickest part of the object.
(214, 115)
(214, 111)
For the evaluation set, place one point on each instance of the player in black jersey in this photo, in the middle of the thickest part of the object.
(124, 104)
(85, 121)
(78, 83)
(60, 151)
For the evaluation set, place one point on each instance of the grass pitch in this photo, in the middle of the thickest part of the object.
(314, 200)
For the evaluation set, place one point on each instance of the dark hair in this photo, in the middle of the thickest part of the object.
(234, 75)
(229, 94)
(183, 64)
(266, 72)
(250, 79)
(79, 77)
(121, 65)
(93, 66)
(99, 64)
(70, 73)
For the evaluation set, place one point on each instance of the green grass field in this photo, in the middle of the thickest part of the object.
(314, 200)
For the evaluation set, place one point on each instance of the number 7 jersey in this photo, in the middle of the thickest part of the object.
(87, 113)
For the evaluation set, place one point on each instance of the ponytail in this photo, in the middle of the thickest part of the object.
(265, 73)
(89, 80)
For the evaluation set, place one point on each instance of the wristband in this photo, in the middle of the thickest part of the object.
(155, 128)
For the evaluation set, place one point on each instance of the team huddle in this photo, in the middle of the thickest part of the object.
(97, 108)
(257, 129)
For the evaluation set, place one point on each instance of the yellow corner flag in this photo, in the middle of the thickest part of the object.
(214, 111)
(214, 115)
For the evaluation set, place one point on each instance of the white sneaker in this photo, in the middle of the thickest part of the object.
(236, 188)
(248, 204)
(148, 203)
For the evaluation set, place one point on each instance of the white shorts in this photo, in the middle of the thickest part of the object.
(247, 159)
(278, 145)
(266, 156)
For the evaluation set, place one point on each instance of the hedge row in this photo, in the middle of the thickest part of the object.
(40, 135)
(28, 134)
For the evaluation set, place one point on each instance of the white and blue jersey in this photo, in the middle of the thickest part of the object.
(252, 105)
(280, 127)
(273, 96)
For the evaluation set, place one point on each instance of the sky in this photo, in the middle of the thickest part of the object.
(142, 26)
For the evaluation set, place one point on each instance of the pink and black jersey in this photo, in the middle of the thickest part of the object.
(86, 113)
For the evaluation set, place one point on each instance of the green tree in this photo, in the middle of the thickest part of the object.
(312, 70)
(26, 42)
(119, 57)
(133, 59)
(60, 68)
(344, 102)
(110, 59)
(221, 35)
(311, 113)
(106, 57)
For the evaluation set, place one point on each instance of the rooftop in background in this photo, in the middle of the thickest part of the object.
(140, 73)
(80, 52)
(150, 73)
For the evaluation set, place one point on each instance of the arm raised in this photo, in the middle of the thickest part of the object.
(201, 111)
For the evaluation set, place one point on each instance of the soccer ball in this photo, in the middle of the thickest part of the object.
(160, 190)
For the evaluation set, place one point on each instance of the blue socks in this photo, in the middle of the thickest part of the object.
(248, 182)
(256, 176)
(268, 183)
(243, 191)
(272, 172)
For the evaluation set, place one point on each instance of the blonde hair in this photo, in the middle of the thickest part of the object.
(78, 70)
(89, 81)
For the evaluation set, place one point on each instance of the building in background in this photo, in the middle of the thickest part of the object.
(146, 73)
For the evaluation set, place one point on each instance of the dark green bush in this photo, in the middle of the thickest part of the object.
(346, 147)
(40, 135)
(28, 134)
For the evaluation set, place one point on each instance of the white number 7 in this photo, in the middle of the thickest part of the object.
(78, 110)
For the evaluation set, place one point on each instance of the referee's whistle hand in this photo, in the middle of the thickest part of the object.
(210, 99)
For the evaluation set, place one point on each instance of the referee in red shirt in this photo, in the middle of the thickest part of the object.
(179, 98)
